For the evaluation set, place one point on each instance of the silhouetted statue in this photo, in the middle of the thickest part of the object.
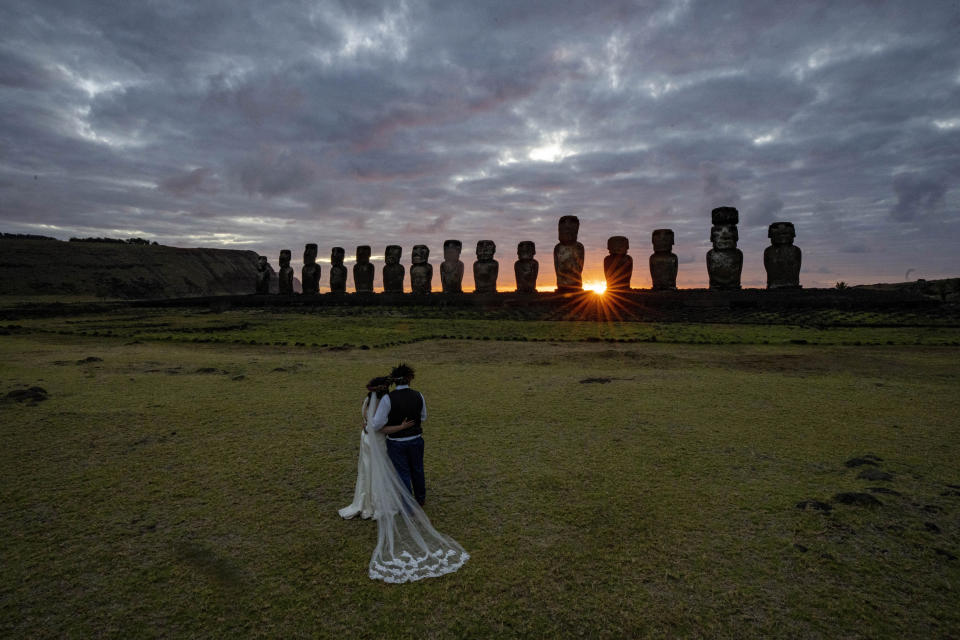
(782, 259)
(310, 273)
(286, 273)
(393, 271)
(485, 269)
(568, 256)
(724, 261)
(363, 270)
(421, 271)
(338, 272)
(526, 268)
(618, 266)
(451, 269)
(663, 262)
(263, 275)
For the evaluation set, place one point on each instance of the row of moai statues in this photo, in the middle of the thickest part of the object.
(724, 263)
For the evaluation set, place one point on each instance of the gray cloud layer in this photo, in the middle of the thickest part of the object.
(268, 125)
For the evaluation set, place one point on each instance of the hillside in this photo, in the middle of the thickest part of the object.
(112, 270)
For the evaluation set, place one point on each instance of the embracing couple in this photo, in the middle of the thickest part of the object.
(391, 487)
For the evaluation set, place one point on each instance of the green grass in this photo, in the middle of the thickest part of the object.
(146, 499)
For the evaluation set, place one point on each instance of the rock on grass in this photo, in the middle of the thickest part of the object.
(32, 395)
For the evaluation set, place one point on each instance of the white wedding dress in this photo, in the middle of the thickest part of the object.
(362, 504)
(408, 547)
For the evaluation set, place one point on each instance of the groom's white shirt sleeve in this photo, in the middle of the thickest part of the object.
(383, 411)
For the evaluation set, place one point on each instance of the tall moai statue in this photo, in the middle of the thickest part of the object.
(363, 270)
(618, 266)
(568, 255)
(485, 269)
(663, 262)
(421, 271)
(526, 268)
(451, 269)
(782, 259)
(263, 275)
(393, 271)
(338, 272)
(310, 273)
(724, 261)
(286, 273)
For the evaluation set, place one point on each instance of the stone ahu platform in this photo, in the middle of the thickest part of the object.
(687, 305)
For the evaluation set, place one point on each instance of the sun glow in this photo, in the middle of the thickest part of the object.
(598, 287)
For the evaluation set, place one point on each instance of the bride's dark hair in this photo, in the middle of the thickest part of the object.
(377, 383)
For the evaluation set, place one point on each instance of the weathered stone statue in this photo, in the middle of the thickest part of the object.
(526, 268)
(451, 269)
(782, 259)
(421, 271)
(724, 261)
(263, 275)
(393, 271)
(663, 262)
(363, 270)
(338, 272)
(618, 266)
(568, 255)
(286, 273)
(485, 269)
(310, 273)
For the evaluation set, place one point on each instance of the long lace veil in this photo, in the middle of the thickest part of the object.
(408, 547)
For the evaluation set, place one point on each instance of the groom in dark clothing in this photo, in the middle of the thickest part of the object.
(399, 416)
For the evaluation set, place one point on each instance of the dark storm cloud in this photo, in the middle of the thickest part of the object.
(265, 125)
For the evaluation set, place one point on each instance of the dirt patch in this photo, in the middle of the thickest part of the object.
(32, 396)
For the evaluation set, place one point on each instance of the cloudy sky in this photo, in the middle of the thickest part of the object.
(265, 125)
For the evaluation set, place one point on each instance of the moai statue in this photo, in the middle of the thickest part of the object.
(393, 271)
(526, 268)
(451, 269)
(724, 261)
(338, 272)
(363, 270)
(421, 271)
(310, 274)
(618, 266)
(485, 269)
(782, 259)
(568, 256)
(263, 275)
(663, 262)
(286, 273)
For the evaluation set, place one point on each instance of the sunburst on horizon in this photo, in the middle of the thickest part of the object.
(597, 286)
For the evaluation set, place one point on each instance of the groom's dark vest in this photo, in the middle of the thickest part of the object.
(405, 403)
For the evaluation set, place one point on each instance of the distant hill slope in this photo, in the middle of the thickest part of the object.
(112, 270)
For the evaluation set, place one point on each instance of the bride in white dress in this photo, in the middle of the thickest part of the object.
(362, 504)
(408, 547)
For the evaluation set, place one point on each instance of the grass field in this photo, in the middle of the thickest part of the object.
(178, 481)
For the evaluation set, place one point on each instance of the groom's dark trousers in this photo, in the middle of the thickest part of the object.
(407, 457)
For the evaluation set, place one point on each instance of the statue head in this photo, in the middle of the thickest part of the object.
(310, 254)
(284, 258)
(421, 253)
(363, 254)
(262, 263)
(782, 233)
(485, 250)
(526, 250)
(725, 215)
(392, 254)
(337, 255)
(663, 240)
(724, 236)
(568, 227)
(451, 250)
(618, 245)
